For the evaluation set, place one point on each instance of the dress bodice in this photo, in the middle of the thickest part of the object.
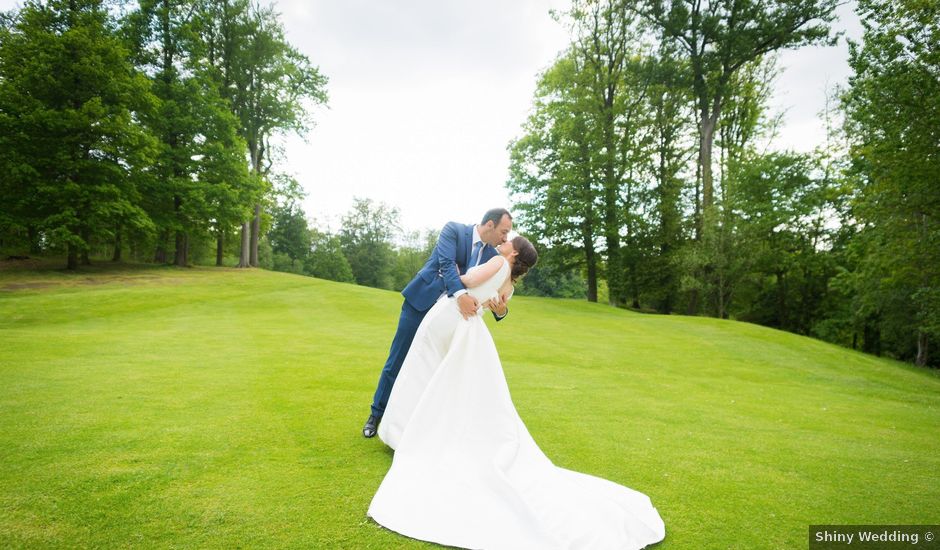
(490, 287)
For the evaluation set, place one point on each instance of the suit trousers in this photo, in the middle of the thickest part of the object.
(407, 327)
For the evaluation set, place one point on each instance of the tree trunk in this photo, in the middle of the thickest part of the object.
(159, 255)
(634, 285)
(590, 257)
(722, 314)
(692, 308)
(612, 222)
(705, 159)
(71, 257)
(179, 257)
(614, 267)
(255, 235)
(592, 280)
(871, 337)
(243, 256)
(117, 246)
(33, 235)
(85, 237)
(219, 247)
(782, 321)
(922, 342)
(589, 225)
(182, 249)
(612, 236)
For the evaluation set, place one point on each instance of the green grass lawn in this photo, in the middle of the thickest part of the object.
(164, 407)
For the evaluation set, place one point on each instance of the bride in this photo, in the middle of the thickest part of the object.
(466, 472)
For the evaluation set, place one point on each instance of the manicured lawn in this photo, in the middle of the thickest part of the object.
(164, 407)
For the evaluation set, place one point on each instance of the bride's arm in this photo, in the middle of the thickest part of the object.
(479, 275)
(506, 290)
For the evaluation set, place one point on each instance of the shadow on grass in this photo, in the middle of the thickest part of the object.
(35, 272)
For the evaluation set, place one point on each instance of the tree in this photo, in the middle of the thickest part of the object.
(552, 178)
(670, 121)
(163, 41)
(366, 238)
(224, 29)
(411, 255)
(290, 235)
(783, 207)
(616, 81)
(724, 244)
(72, 151)
(326, 259)
(273, 85)
(552, 278)
(717, 39)
(574, 171)
(892, 107)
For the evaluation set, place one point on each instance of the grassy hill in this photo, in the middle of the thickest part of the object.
(159, 407)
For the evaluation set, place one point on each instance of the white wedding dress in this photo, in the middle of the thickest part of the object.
(467, 473)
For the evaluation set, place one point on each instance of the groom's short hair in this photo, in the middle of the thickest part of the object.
(495, 215)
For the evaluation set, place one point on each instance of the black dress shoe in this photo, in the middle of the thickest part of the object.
(372, 425)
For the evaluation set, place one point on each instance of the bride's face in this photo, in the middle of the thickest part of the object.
(507, 250)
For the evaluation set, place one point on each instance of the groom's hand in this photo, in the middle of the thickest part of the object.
(468, 305)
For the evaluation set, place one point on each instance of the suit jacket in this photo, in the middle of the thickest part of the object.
(447, 263)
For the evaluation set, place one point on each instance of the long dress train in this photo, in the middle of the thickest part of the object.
(467, 473)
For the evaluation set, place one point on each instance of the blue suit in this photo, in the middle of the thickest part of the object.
(449, 260)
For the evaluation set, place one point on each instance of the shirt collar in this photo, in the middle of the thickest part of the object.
(476, 235)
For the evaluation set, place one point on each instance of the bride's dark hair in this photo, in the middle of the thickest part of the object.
(525, 259)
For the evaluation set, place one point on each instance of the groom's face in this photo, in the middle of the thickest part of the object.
(497, 234)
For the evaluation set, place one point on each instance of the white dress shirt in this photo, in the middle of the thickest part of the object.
(472, 261)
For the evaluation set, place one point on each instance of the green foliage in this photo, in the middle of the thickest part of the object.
(72, 153)
(200, 179)
(411, 256)
(326, 259)
(718, 39)
(289, 235)
(366, 239)
(571, 172)
(270, 84)
(893, 105)
(613, 172)
(552, 278)
(134, 128)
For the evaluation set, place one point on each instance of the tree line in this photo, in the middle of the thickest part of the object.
(644, 169)
(145, 127)
(370, 248)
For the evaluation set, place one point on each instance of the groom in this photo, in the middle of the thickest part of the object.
(459, 247)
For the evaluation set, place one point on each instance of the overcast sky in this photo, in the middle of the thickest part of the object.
(426, 95)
